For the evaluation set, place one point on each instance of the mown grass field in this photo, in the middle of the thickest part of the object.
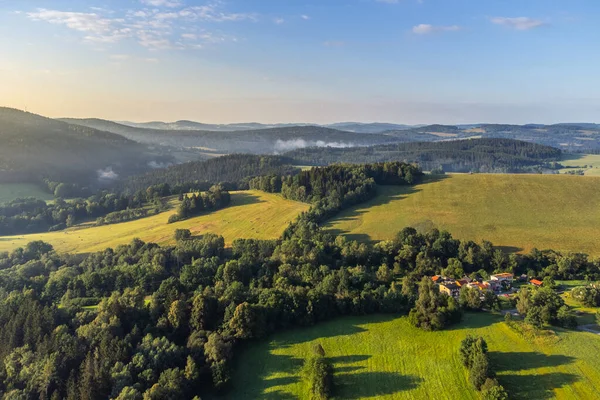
(518, 212)
(590, 163)
(252, 215)
(381, 357)
(11, 191)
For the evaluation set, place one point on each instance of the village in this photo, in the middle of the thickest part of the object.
(500, 284)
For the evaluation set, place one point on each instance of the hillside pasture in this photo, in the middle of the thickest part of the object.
(251, 215)
(382, 357)
(515, 212)
(590, 163)
(12, 191)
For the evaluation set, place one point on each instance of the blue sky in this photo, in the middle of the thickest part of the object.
(405, 61)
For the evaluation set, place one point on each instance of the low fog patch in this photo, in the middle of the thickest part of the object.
(107, 174)
(293, 144)
(158, 165)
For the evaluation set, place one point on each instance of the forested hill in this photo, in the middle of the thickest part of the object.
(34, 147)
(256, 141)
(232, 170)
(478, 155)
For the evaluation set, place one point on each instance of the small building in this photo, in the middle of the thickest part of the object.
(536, 282)
(451, 289)
(506, 276)
(436, 278)
(463, 282)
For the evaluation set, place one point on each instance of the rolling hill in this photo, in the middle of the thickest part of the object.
(482, 155)
(383, 357)
(256, 141)
(251, 215)
(33, 147)
(518, 212)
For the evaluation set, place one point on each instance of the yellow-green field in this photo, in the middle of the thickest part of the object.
(381, 357)
(11, 191)
(518, 212)
(590, 163)
(252, 214)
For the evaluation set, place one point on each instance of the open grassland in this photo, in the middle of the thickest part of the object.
(590, 163)
(381, 357)
(252, 215)
(517, 212)
(12, 191)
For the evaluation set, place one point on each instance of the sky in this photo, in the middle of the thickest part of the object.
(321, 61)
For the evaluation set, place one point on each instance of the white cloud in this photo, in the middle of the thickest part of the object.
(518, 23)
(152, 28)
(424, 29)
(279, 21)
(162, 3)
(305, 17)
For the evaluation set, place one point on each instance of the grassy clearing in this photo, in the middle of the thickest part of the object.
(379, 357)
(11, 191)
(517, 212)
(252, 214)
(590, 163)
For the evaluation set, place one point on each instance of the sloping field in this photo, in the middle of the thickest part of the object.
(518, 212)
(380, 357)
(12, 191)
(590, 163)
(252, 215)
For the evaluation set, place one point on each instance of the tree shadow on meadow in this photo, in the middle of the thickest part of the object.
(259, 370)
(239, 199)
(532, 386)
(372, 384)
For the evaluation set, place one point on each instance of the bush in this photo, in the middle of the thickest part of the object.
(317, 372)
(182, 234)
(492, 390)
(480, 370)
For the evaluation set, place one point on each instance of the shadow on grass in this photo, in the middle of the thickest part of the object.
(528, 387)
(519, 361)
(475, 320)
(243, 199)
(372, 384)
(532, 386)
(263, 370)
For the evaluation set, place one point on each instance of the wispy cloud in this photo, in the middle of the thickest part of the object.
(279, 21)
(161, 3)
(155, 28)
(518, 23)
(425, 29)
(305, 17)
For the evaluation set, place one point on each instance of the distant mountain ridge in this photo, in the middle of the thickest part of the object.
(35, 147)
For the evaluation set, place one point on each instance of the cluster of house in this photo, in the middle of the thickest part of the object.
(495, 284)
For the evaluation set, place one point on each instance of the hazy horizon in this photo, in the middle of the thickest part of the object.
(398, 61)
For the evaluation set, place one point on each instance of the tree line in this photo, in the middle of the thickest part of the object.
(171, 319)
(197, 203)
(473, 155)
(232, 171)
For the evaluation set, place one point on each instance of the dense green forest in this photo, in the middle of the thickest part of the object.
(204, 302)
(34, 148)
(232, 171)
(480, 155)
(170, 320)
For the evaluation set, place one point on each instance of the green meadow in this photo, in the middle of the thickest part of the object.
(384, 357)
(11, 191)
(251, 215)
(589, 163)
(517, 212)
